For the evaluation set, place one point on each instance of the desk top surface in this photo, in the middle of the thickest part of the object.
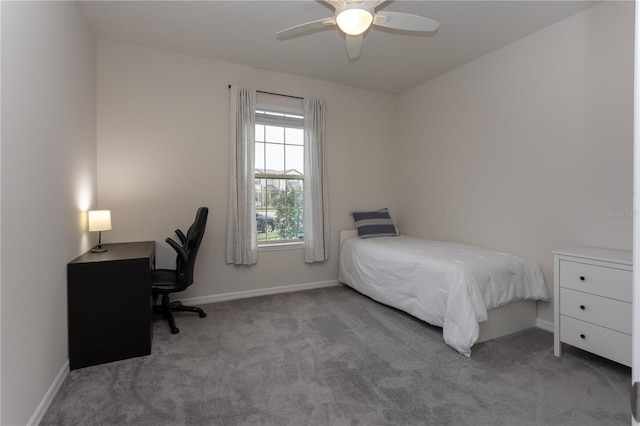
(120, 251)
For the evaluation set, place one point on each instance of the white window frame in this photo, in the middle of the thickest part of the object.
(275, 120)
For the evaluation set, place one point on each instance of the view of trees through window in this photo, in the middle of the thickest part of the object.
(279, 172)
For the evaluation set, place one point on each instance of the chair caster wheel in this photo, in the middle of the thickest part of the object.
(203, 315)
(175, 330)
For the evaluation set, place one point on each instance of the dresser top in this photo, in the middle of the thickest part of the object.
(594, 253)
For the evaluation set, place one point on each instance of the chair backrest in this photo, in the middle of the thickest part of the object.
(191, 246)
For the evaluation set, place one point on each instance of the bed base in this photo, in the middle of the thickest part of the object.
(507, 319)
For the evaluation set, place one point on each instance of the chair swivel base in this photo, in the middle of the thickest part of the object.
(166, 310)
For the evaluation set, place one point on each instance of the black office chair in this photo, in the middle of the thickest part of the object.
(167, 281)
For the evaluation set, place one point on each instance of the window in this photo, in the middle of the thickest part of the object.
(279, 176)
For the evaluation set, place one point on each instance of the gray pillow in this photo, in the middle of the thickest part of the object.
(374, 224)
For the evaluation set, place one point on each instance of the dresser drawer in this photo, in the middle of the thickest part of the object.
(599, 340)
(598, 310)
(610, 282)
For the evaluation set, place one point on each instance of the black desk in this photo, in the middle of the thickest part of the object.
(109, 304)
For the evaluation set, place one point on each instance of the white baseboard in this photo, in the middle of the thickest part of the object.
(48, 397)
(203, 300)
(545, 325)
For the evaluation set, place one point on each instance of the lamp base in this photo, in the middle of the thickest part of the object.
(98, 249)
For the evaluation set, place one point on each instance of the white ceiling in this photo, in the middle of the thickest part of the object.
(243, 32)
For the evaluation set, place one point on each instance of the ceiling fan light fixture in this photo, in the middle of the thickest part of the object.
(354, 20)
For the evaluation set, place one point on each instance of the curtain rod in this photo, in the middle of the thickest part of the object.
(276, 94)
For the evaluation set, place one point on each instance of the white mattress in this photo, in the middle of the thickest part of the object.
(445, 284)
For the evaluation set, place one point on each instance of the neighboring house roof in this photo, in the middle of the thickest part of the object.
(279, 172)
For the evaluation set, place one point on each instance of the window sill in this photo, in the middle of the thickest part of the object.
(279, 247)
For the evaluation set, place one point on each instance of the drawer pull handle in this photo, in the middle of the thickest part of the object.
(582, 336)
(582, 307)
(581, 278)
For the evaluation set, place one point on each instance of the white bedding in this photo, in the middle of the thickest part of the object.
(445, 284)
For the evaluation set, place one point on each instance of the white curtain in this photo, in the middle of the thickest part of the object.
(316, 210)
(242, 238)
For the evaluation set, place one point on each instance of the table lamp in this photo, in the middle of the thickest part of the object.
(99, 220)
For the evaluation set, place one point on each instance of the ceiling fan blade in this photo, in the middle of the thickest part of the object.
(305, 28)
(335, 3)
(373, 3)
(354, 46)
(405, 21)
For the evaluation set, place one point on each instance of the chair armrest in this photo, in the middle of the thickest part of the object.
(181, 235)
(178, 249)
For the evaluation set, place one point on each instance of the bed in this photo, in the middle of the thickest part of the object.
(474, 294)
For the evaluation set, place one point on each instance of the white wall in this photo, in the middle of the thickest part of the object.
(523, 150)
(48, 179)
(163, 152)
(527, 149)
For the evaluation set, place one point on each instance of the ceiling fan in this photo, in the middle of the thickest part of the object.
(354, 17)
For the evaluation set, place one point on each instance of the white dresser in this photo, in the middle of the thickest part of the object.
(593, 301)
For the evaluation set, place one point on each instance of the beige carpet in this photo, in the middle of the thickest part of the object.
(334, 357)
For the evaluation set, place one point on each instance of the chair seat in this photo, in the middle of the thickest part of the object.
(165, 281)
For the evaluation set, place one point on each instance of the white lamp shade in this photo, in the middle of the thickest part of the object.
(99, 220)
(354, 21)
